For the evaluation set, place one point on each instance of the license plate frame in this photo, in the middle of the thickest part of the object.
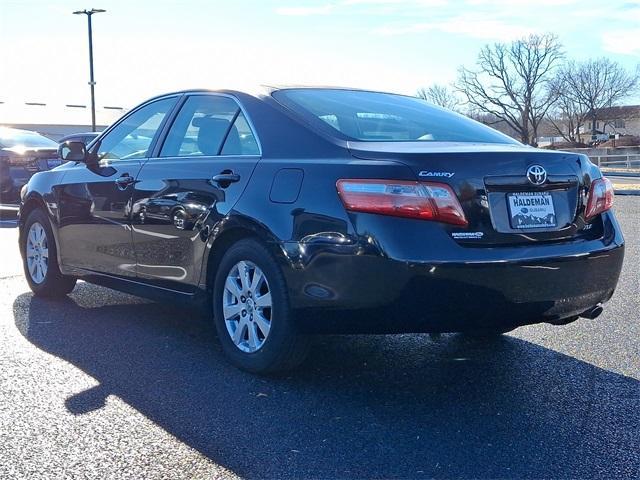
(531, 210)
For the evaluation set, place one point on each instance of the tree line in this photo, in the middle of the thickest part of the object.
(519, 86)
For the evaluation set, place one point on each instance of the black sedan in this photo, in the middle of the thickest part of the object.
(312, 210)
(22, 153)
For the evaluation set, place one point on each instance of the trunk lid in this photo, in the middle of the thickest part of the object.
(492, 182)
(18, 165)
(31, 160)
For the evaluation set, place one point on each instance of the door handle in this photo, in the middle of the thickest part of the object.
(124, 181)
(225, 178)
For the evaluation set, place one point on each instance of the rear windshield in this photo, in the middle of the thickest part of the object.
(385, 117)
(15, 138)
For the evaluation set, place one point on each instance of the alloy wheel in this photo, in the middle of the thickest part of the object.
(37, 253)
(247, 306)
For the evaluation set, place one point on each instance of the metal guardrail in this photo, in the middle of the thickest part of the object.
(622, 162)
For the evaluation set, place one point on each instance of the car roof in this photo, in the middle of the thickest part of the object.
(267, 90)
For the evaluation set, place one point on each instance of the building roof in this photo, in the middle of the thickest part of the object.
(621, 112)
(41, 113)
(546, 129)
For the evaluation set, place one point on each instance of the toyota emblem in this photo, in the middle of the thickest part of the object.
(536, 174)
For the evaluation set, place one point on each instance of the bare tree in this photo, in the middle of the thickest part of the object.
(595, 84)
(511, 82)
(490, 120)
(440, 95)
(568, 116)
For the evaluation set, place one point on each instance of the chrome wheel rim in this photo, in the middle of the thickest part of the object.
(37, 253)
(247, 306)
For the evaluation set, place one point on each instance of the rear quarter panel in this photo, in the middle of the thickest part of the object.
(313, 236)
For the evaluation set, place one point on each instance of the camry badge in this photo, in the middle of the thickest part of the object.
(425, 173)
(536, 174)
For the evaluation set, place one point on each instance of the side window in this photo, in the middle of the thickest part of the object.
(203, 124)
(132, 137)
(200, 127)
(240, 140)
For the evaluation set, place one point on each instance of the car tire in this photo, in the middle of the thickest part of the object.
(40, 258)
(253, 318)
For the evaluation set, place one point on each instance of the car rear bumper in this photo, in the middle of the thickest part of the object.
(10, 195)
(349, 289)
(8, 207)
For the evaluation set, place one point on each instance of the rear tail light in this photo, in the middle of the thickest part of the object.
(423, 200)
(600, 197)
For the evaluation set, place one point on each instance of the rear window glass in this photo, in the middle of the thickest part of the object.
(385, 117)
(16, 138)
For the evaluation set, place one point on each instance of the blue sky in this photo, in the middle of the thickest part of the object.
(147, 47)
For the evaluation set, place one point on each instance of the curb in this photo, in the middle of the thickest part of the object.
(626, 192)
(620, 174)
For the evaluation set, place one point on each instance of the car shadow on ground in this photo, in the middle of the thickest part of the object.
(360, 406)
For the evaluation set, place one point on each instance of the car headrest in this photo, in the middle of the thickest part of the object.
(211, 132)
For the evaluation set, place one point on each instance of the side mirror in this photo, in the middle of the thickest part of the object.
(73, 152)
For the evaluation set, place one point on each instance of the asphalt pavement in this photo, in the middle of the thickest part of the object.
(105, 385)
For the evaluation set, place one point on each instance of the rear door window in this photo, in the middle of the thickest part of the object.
(209, 125)
(241, 140)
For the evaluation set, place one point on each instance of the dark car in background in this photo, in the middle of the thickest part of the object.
(84, 137)
(22, 154)
(314, 210)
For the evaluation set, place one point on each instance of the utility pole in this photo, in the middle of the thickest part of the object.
(92, 83)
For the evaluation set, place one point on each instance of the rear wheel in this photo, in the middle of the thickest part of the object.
(251, 311)
(40, 259)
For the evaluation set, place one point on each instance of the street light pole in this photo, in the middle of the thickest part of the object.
(92, 82)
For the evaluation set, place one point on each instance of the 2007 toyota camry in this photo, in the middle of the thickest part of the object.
(311, 210)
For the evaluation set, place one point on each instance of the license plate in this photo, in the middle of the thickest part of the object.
(531, 210)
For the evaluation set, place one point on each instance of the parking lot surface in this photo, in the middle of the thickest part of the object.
(105, 385)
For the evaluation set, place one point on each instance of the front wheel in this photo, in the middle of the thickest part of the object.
(251, 311)
(40, 259)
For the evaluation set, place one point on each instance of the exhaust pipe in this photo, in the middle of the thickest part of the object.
(593, 312)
